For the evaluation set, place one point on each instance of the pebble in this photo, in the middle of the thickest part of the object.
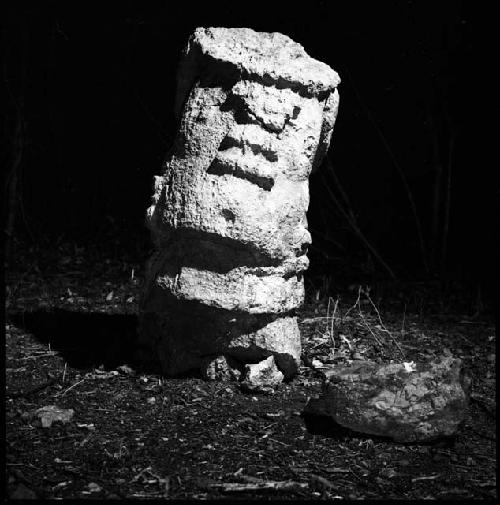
(93, 487)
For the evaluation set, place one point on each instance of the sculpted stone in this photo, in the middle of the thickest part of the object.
(228, 214)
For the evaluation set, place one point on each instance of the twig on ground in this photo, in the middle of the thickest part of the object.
(370, 330)
(312, 319)
(321, 480)
(358, 304)
(237, 487)
(42, 355)
(426, 477)
(354, 306)
(329, 330)
(278, 442)
(70, 388)
(382, 324)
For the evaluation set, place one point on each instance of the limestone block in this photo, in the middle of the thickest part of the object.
(228, 213)
(421, 405)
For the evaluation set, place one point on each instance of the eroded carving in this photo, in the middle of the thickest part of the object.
(228, 215)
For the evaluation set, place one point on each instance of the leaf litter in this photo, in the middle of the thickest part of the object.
(135, 434)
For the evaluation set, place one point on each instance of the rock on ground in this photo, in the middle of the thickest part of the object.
(220, 368)
(52, 413)
(228, 214)
(261, 377)
(387, 400)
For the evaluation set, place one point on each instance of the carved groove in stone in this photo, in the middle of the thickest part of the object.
(228, 213)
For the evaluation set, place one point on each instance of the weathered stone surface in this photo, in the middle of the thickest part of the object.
(387, 400)
(220, 368)
(262, 377)
(228, 215)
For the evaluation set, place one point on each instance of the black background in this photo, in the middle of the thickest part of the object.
(97, 84)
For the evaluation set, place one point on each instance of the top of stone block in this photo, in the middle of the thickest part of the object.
(272, 58)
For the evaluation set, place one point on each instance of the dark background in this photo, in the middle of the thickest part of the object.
(89, 91)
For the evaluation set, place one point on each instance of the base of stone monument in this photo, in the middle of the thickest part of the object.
(218, 343)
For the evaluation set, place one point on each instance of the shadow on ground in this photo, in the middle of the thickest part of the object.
(86, 339)
(327, 427)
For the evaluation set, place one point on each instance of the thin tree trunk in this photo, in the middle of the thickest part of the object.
(446, 219)
(13, 180)
(401, 173)
(13, 186)
(436, 201)
(351, 220)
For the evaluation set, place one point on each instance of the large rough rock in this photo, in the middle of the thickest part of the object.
(422, 405)
(228, 216)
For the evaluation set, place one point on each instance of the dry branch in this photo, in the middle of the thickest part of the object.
(273, 486)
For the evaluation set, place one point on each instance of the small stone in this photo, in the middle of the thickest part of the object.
(220, 368)
(126, 370)
(262, 377)
(357, 356)
(26, 416)
(93, 487)
(491, 358)
(316, 363)
(51, 414)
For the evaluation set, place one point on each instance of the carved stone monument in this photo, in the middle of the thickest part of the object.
(228, 216)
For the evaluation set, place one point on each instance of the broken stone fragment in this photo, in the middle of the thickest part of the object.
(220, 368)
(262, 377)
(228, 214)
(388, 400)
(51, 414)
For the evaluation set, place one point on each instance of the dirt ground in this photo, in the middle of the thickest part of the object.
(70, 326)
